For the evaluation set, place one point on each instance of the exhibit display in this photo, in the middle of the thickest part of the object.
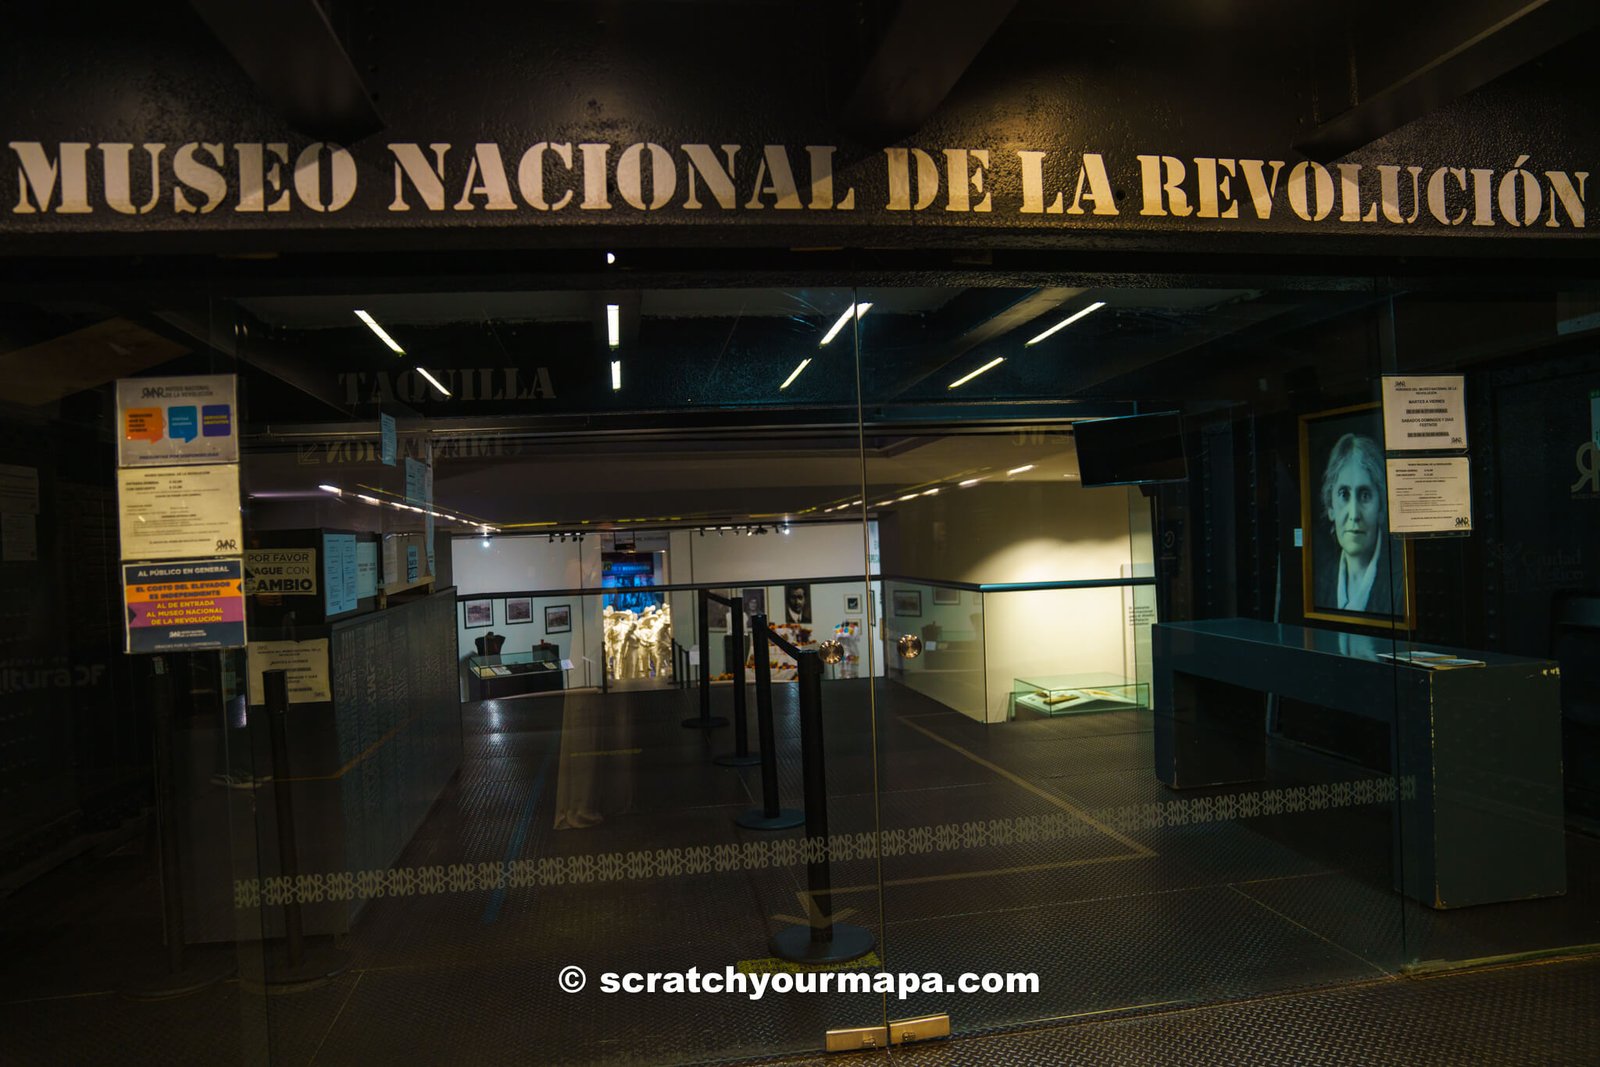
(637, 644)
(1075, 694)
(540, 670)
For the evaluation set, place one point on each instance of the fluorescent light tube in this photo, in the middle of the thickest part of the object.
(854, 312)
(969, 482)
(930, 492)
(334, 489)
(1019, 470)
(616, 375)
(795, 373)
(613, 325)
(383, 335)
(1068, 321)
(964, 379)
(433, 381)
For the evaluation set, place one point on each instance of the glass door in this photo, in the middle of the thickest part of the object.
(1117, 768)
(540, 788)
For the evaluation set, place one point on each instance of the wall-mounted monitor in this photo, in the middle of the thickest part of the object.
(1132, 450)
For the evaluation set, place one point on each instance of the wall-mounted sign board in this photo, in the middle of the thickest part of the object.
(163, 422)
(173, 512)
(184, 605)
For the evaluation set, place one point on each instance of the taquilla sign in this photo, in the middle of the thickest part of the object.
(81, 183)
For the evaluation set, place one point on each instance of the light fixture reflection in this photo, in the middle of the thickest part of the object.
(1019, 470)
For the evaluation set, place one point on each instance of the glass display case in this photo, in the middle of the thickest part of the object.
(516, 673)
(1076, 694)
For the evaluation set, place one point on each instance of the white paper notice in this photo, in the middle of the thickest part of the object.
(285, 571)
(306, 662)
(1430, 495)
(1424, 412)
(179, 512)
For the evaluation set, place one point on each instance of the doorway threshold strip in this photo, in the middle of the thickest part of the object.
(788, 852)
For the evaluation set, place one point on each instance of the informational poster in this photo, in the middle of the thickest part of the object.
(1430, 496)
(305, 661)
(413, 564)
(163, 422)
(19, 490)
(280, 571)
(388, 444)
(19, 537)
(366, 569)
(339, 572)
(391, 561)
(184, 605)
(177, 512)
(1425, 412)
(416, 482)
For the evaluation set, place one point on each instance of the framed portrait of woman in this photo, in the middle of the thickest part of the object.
(1353, 570)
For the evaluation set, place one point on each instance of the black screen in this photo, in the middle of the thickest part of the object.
(1131, 450)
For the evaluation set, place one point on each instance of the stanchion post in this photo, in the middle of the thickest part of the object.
(705, 720)
(276, 686)
(740, 756)
(822, 940)
(769, 816)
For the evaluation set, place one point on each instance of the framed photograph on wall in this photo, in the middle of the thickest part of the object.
(519, 610)
(718, 616)
(477, 614)
(797, 603)
(942, 595)
(755, 601)
(907, 602)
(1352, 569)
(558, 619)
(852, 604)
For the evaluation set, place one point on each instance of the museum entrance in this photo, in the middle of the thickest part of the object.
(847, 666)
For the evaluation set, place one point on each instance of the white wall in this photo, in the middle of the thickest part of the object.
(1017, 533)
(1037, 634)
(514, 563)
(584, 639)
(821, 550)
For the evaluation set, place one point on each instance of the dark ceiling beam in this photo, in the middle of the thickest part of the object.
(297, 61)
(1014, 314)
(1504, 35)
(923, 52)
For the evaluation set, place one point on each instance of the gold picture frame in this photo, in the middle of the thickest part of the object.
(1356, 433)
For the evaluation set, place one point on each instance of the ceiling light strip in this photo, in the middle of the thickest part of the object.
(436, 383)
(795, 373)
(383, 335)
(1068, 321)
(853, 312)
(964, 379)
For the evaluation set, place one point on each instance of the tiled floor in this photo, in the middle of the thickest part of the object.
(1130, 902)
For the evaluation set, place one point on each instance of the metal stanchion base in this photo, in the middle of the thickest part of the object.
(319, 965)
(202, 969)
(705, 724)
(734, 759)
(848, 943)
(758, 819)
